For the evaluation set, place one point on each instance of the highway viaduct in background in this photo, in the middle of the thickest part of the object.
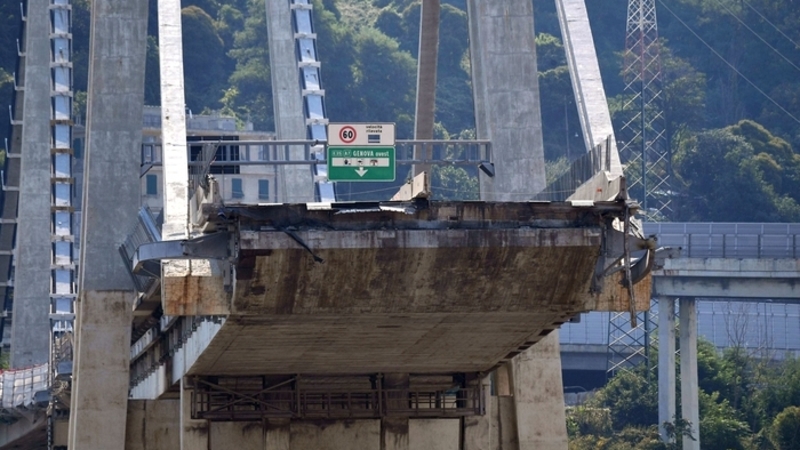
(303, 322)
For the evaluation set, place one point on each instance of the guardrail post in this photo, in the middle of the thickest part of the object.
(724, 244)
(759, 246)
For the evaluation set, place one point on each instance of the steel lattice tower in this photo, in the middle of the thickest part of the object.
(647, 161)
(643, 148)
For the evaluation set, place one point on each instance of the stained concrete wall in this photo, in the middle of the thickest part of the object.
(152, 425)
(505, 87)
(434, 434)
(31, 324)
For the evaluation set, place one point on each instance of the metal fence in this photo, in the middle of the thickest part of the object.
(729, 240)
(23, 389)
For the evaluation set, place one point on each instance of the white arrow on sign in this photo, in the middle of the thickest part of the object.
(361, 171)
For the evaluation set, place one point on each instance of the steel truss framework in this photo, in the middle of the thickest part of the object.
(648, 164)
(643, 146)
(301, 397)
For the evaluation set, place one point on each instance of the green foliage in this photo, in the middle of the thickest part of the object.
(720, 426)
(725, 182)
(203, 60)
(631, 398)
(584, 420)
(249, 92)
(454, 183)
(785, 432)
(152, 75)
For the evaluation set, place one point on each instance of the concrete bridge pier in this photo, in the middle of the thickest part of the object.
(111, 197)
(690, 409)
(666, 364)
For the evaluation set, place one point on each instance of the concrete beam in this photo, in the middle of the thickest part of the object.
(690, 407)
(295, 183)
(727, 287)
(173, 122)
(426, 77)
(25, 433)
(31, 324)
(666, 364)
(587, 85)
(505, 87)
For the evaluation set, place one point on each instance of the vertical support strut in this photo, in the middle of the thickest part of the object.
(643, 139)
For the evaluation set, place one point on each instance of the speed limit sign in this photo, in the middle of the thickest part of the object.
(361, 134)
(348, 134)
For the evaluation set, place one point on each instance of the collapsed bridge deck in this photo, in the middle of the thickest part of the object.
(414, 287)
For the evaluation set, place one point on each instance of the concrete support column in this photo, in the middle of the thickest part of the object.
(690, 408)
(539, 396)
(505, 88)
(99, 404)
(194, 433)
(394, 430)
(152, 425)
(111, 199)
(477, 432)
(173, 121)
(31, 325)
(426, 78)
(277, 434)
(666, 364)
(295, 183)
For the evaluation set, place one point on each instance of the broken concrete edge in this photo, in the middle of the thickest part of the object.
(418, 187)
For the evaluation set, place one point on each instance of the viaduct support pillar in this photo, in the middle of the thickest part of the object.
(539, 396)
(31, 324)
(505, 87)
(690, 409)
(666, 364)
(110, 203)
(426, 78)
(295, 184)
(394, 430)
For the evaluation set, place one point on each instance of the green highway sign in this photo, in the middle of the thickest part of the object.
(361, 164)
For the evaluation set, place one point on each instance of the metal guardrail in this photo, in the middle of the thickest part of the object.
(275, 153)
(580, 171)
(729, 240)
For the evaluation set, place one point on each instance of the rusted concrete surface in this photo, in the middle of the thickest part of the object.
(415, 271)
(421, 287)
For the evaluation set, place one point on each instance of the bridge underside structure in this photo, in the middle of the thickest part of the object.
(252, 323)
(418, 287)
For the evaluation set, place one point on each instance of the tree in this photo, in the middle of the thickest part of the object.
(785, 432)
(724, 181)
(633, 400)
(249, 92)
(204, 60)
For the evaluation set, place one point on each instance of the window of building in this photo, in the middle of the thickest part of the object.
(152, 184)
(236, 188)
(263, 189)
(224, 152)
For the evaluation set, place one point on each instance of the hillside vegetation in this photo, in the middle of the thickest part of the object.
(731, 83)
